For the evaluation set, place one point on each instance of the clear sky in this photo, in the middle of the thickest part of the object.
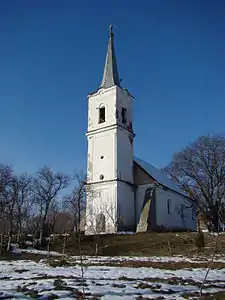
(171, 57)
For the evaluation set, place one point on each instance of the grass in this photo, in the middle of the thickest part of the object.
(206, 296)
(141, 244)
(162, 265)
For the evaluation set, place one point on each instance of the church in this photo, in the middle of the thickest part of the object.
(125, 193)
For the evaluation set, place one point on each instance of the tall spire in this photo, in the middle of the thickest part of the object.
(110, 75)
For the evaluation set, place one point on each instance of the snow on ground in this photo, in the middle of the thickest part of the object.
(117, 259)
(160, 259)
(20, 278)
(41, 252)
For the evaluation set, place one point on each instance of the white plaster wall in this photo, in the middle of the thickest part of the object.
(174, 219)
(106, 98)
(116, 201)
(103, 201)
(112, 142)
(102, 155)
(124, 156)
(124, 100)
(125, 206)
(140, 194)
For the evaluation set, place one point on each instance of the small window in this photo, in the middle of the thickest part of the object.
(102, 157)
(101, 115)
(193, 213)
(169, 206)
(182, 211)
(124, 115)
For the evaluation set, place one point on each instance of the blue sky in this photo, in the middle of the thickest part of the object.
(171, 57)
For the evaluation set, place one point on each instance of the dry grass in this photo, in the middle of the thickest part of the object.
(163, 265)
(142, 244)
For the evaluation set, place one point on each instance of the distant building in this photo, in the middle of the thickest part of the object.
(128, 194)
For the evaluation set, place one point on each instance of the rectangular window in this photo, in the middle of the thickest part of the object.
(169, 206)
(124, 115)
(101, 115)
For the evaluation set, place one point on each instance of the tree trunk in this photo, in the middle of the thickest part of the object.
(96, 244)
(41, 235)
(81, 264)
(48, 249)
(9, 242)
(11, 225)
(41, 238)
(19, 232)
(215, 221)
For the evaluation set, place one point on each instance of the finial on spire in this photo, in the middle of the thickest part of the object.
(110, 75)
(110, 30)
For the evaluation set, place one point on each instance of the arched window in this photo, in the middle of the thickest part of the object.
(101, 116)
(169, 204)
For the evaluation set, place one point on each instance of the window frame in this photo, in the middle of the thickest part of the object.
(124, 115)
(169, 204)
(193, 213)
(101, 115)
(182, 211)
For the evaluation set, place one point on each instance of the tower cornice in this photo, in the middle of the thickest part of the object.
(102, 91)
(110, 127)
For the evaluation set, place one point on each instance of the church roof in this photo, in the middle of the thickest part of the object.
(159, 176)
(110, 75)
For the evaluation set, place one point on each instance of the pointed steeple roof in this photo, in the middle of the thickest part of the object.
(110, 75)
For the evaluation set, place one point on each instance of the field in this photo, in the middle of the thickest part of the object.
(29, 273)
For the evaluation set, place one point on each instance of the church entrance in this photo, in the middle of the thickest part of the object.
(100, 223)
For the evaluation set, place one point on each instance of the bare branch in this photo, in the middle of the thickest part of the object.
(199, 170)
(46, 187)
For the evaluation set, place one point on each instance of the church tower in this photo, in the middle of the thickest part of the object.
(110, 203)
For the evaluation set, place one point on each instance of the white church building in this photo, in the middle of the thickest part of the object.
(125, 193)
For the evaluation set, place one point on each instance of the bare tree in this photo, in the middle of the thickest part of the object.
(53, 211)
(101, 217)
(24, 201)
(200, 171)
(46, 188)
(95, 218)
(14, 199)
(75, 201)
(20, 202)
(113, 217)
(6, 175)
(12, 196)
